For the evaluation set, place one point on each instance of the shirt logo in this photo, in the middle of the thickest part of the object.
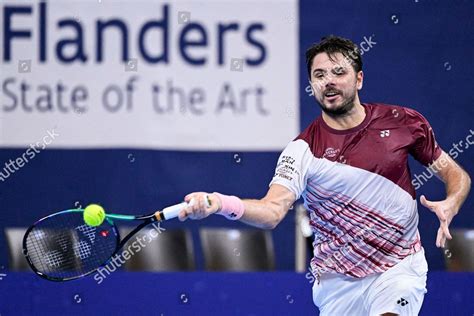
(330, 152)
(385, 133)
(402, 301)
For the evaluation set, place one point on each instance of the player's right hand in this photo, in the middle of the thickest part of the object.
(204, 204)
(445, 210)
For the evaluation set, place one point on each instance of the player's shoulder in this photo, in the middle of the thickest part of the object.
(394, 113)
(306, 141)
(384, 109)
(310, 133)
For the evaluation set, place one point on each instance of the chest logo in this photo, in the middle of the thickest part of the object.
(331, 152)
(385, 133)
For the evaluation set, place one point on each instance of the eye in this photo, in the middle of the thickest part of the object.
(339, 71)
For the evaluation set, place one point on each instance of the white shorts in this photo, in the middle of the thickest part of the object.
(398, 290)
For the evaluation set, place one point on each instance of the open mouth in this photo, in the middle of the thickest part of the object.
(331, 95)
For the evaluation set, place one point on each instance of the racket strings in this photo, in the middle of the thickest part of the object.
(64, 247)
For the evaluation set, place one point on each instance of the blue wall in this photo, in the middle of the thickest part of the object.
(423, 61)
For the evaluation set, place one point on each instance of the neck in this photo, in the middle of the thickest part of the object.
(349, 120)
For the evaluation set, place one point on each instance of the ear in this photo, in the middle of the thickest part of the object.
(360, 80)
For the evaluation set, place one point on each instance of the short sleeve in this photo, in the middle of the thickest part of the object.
(292, 170)
(424, 147)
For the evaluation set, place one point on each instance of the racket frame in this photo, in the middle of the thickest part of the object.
(146, 220)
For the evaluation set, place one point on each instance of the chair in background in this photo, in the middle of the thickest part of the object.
(169, 250)
(16, 259)
(237, 250)
(459, 252)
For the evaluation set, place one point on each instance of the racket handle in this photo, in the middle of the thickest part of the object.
(173, 211)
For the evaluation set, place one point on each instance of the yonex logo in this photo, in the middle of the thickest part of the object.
(385, 133)
(402, 301)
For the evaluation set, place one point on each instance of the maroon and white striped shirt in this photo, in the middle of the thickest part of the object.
(356, 184)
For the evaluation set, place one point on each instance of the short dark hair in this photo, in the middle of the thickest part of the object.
(334, 44)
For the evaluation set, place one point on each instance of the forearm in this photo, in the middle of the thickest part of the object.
(456, 180)
(262, 213)
(458, 185)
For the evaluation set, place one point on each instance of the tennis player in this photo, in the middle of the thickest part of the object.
(350, 165)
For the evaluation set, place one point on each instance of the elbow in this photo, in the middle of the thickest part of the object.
(465, 178)
(468, 180)
(272, 214)
(274, 220)
(270, 225)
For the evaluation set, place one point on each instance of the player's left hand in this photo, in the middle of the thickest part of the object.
(445, 210)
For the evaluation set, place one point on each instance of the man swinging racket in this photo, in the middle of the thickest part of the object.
(350, 165)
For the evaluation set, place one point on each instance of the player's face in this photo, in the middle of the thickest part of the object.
(335, 83)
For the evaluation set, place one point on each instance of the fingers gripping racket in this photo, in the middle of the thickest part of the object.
(62, 247)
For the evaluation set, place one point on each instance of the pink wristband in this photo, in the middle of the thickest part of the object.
(232, 207)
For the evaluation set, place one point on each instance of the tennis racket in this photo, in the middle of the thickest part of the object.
(62, 247)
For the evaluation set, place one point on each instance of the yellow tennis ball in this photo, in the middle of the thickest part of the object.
(94, 215)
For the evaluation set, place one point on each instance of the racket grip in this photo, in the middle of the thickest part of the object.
(173, 211)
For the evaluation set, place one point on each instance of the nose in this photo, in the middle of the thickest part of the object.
(329, 81)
